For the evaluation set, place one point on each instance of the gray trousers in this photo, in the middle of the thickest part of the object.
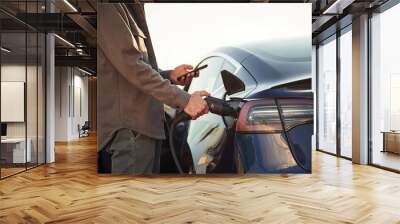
(134, 154)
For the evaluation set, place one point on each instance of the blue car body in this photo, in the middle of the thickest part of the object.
(273, 131)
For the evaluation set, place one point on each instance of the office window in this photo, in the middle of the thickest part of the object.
(385, 89)
(327, 95)
(346, 93)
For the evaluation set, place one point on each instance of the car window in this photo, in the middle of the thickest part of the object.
(229, 67)
(219, 88)
(208, 75)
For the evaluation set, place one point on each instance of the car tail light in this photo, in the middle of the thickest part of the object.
(296, 112)
(259, 116)
(265, 115)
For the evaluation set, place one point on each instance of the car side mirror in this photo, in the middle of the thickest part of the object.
(232, 83)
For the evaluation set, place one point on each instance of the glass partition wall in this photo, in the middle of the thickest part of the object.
(13, 110)
(22, 88)
(334, 90)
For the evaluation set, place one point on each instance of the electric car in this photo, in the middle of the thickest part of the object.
(269, 83)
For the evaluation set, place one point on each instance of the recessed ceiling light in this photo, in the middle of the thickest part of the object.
(70, 5)
(5, 50)
(337, 7)
(84, 71)
(65, 41)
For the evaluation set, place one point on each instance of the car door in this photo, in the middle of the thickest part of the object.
(207, 136)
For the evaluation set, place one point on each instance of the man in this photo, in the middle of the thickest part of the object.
(131, 94)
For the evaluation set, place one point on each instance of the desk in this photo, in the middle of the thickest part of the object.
(13, 150)
(391, 141)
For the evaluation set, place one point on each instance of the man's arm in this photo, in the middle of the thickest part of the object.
(166, 74)
(116, 42)
(173, 75)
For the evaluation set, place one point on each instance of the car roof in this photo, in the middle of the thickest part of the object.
(273, 63)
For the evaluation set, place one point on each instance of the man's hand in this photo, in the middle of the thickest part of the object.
(197, 106)
(182, 69)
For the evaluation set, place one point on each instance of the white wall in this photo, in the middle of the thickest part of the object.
(70, 83)
(33, 127)
(16, 73)
(62, 81)
(80, 103)
(9, 73)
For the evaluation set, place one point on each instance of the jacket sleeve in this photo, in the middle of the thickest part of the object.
(165, 74)
(116, 41)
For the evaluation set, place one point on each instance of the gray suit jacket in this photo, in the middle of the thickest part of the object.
(130, 92)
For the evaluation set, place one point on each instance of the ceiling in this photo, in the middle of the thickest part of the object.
(75, 28)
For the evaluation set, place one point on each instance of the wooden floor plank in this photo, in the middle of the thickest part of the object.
(70, 191)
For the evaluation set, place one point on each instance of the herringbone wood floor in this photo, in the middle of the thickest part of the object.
(70, 191)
